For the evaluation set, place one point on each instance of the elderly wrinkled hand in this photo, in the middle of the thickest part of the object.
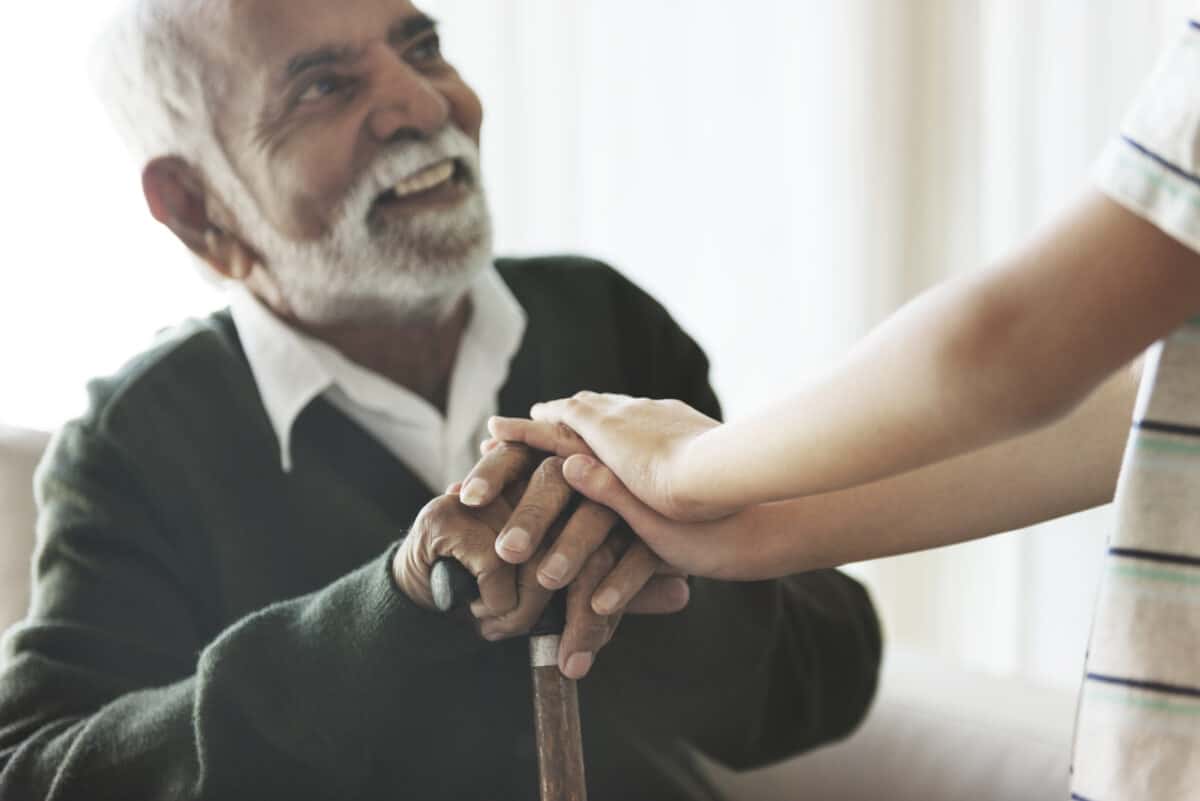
(509, 542)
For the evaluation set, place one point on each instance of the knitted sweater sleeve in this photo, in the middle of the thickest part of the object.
(113, 687)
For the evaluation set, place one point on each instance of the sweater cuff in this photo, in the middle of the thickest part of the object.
(442, 635)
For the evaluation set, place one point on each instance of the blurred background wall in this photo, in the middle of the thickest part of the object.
(781, 173)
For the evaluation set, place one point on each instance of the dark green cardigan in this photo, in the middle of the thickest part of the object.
(207, 626)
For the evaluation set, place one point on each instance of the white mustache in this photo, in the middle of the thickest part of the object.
(406, 160)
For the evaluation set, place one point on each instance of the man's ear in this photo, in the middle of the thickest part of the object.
(178, 198)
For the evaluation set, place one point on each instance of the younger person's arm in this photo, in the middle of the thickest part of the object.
(1066, 467)
(970, 363)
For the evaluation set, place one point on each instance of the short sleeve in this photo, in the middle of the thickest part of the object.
(1153, 166)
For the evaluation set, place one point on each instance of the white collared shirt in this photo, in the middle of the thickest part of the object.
(292, 369)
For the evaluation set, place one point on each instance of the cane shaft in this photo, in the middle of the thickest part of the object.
(556, 721)
(555, 698)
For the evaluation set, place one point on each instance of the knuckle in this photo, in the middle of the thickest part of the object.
(520, 619)
(599, 518)
(509, 451)
(440, 511)
(530, 514)
(488, 578)
(508, 626)
(638, 552)
(550, 470)
(603, 560)
(594, 629)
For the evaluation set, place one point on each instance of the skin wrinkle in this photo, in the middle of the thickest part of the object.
(425, 238)
(355, 112)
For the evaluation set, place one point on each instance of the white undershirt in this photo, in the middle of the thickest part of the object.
(292, 369)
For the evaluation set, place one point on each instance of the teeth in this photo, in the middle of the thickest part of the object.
(425, 179)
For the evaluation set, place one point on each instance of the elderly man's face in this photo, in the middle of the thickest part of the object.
(357, 141)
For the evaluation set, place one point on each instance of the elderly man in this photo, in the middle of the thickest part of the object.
(222, 609)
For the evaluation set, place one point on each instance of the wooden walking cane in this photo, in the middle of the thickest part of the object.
(555, 697)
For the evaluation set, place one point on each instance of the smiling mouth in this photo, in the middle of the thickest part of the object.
(426, 183)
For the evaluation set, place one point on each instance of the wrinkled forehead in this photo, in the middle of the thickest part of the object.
(261, 38)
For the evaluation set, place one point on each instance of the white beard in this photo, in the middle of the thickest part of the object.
(359, 271)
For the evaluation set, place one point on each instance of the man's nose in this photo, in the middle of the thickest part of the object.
(406, 101)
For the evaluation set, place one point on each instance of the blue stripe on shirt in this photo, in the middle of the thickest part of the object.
(1167, 428)
(1156, 556)
(1148, 686)
(1162, 162)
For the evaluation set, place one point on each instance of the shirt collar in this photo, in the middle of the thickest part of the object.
(288, 374)
(291, 369)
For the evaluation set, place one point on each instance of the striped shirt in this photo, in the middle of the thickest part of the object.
(1138, 733)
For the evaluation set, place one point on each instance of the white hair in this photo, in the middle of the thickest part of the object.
(155, 82)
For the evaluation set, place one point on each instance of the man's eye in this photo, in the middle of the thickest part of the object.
(321, 88)
(427, 50)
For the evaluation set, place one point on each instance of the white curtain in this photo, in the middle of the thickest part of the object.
(780, 173)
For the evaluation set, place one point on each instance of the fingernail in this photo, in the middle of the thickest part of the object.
(492, 635)
(473, 493)
(577, 467)
(516, 540)
(606, 601)
(681, 591)
(554, 569)
(578, 665)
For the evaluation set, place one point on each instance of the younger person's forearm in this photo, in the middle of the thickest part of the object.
(972, 363)
(1067, 467)
(924, 399)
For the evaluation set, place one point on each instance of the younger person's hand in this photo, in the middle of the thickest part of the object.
(741, 546)
(646, 443)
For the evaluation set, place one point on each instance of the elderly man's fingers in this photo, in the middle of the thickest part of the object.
(532, 601)
(497, 468)
(515, 491)
(637, 566)
(587, 529)
(496, 588)
(555, 438)
(496, 513)
(662, 595)
(544, 500)
(586, 631)
(444, 529)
